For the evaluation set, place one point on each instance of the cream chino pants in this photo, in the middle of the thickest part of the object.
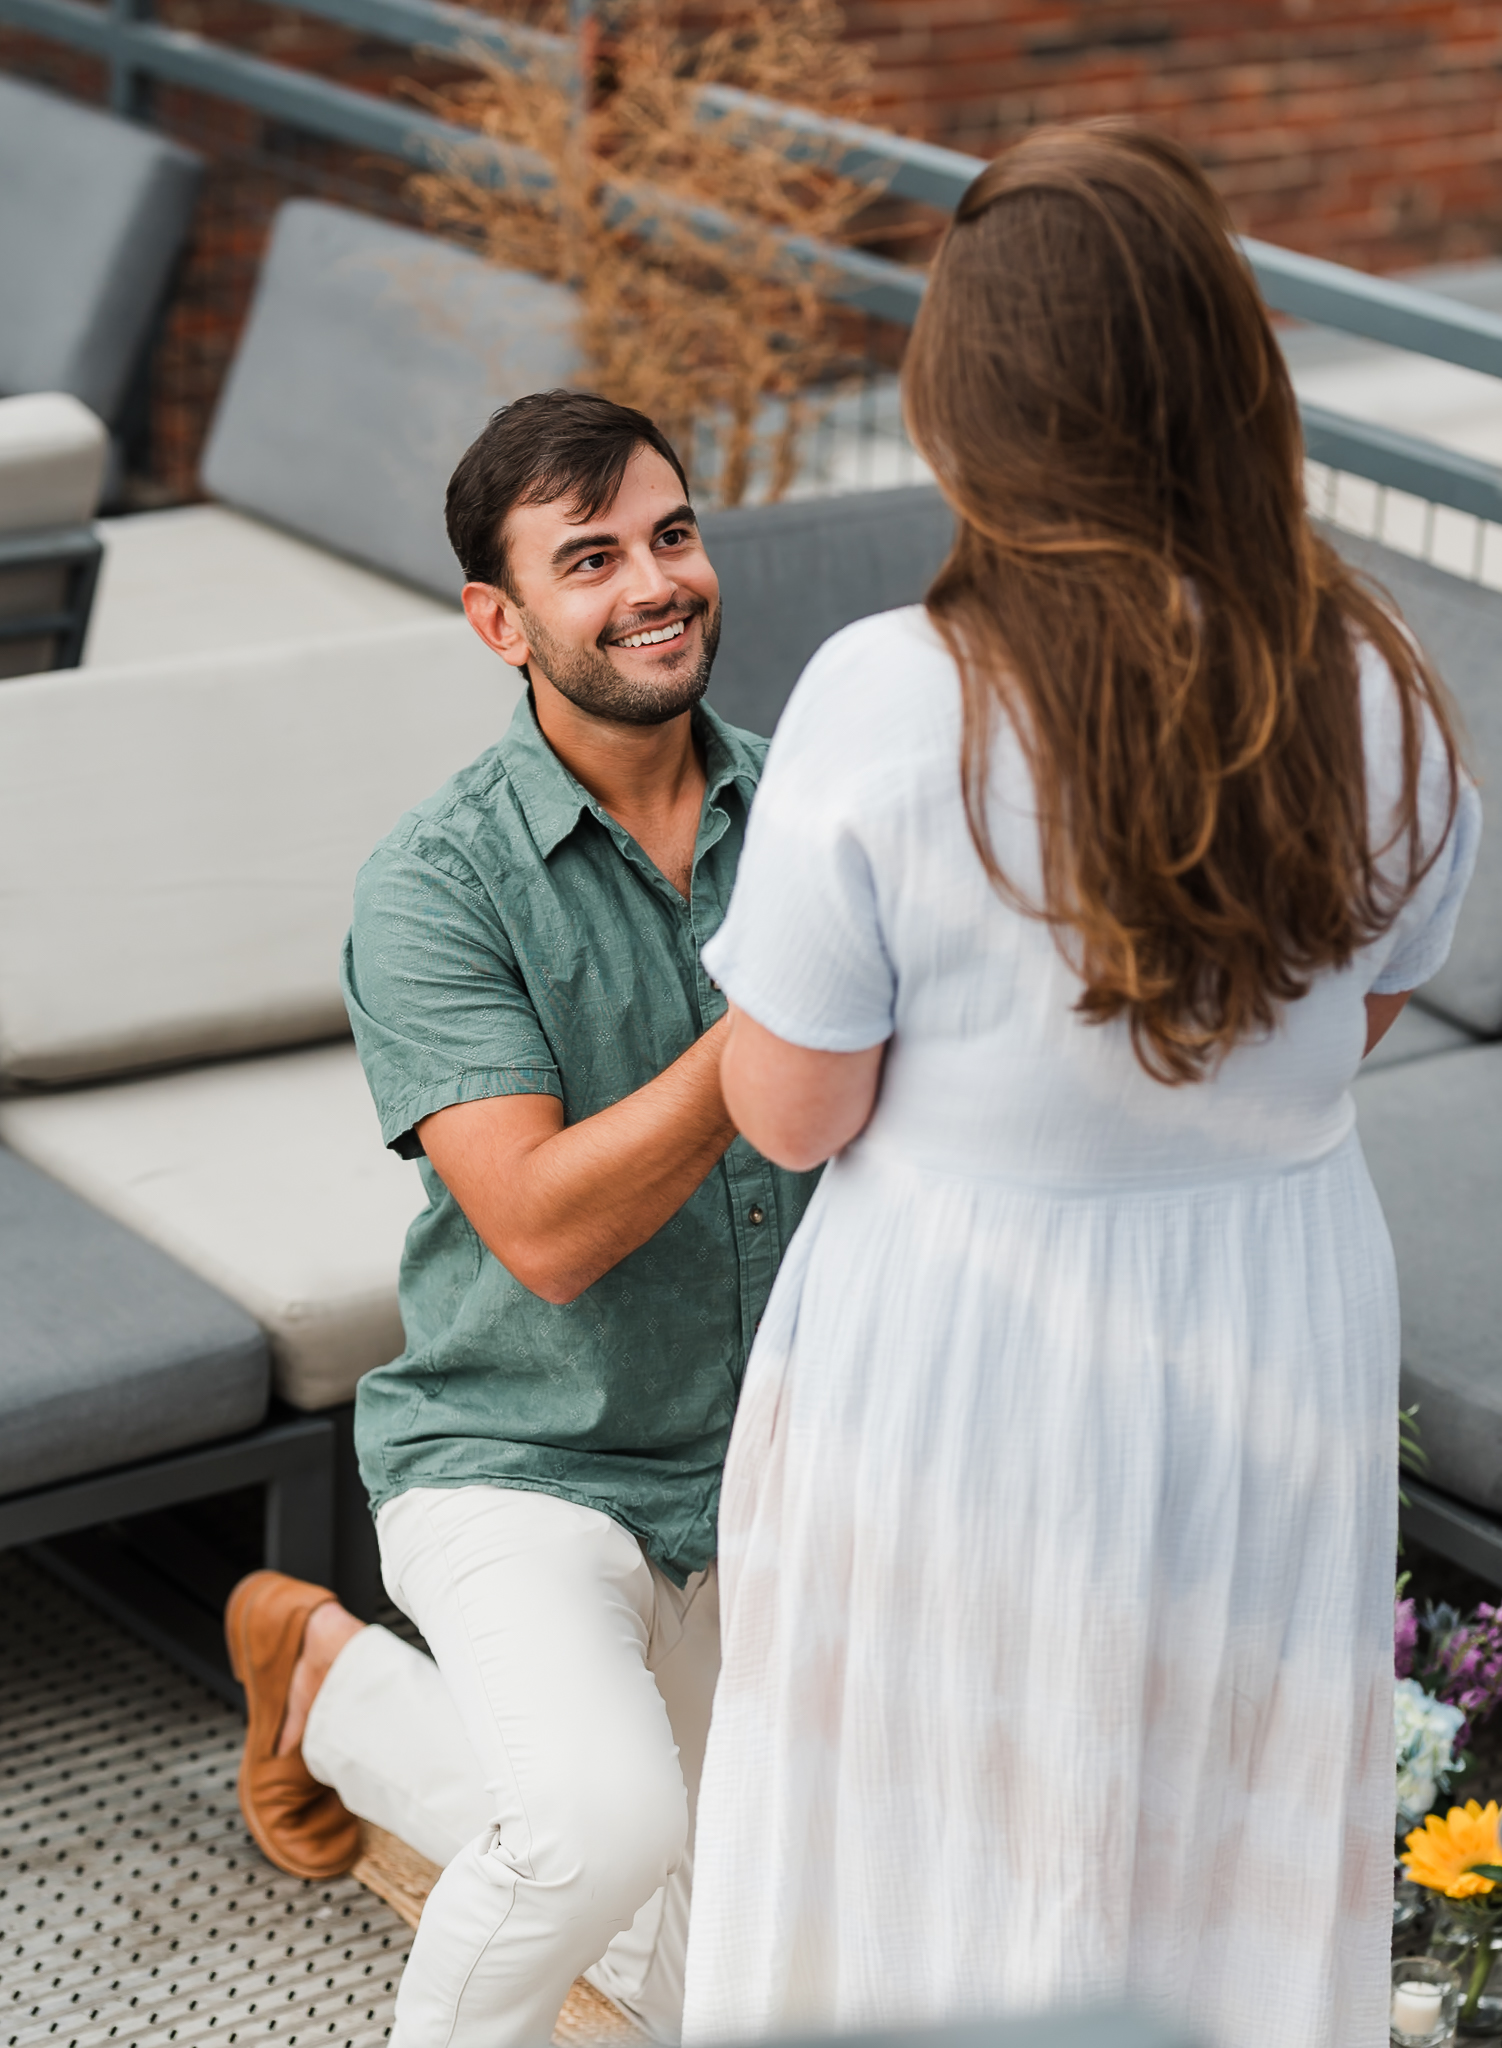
(549, 1759)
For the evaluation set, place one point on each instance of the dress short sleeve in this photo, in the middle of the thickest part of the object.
(801, 948)
(436, 1001)
(1424, 940)
(1417, 944)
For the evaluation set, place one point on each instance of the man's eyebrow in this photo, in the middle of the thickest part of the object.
(586, 544)
(592, 543)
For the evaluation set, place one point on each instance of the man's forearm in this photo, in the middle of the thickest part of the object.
(600, 1188)
(559, 1205)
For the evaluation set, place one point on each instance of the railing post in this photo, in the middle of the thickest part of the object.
(130, 90)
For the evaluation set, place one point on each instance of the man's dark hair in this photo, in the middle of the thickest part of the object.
(553, 444)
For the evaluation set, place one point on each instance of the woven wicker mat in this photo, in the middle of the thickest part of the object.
(403, 1879)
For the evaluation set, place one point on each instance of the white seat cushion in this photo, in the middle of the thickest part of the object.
(179, 840)
(268, 1178)
(200, 578)
(52, 456)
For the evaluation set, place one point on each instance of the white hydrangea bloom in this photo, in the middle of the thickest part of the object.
(1424, 1729)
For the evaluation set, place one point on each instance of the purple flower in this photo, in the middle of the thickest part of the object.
(1467, 1662)
(1405, 1637)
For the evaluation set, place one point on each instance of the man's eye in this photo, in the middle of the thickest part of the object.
(591, 562)
(673, 536)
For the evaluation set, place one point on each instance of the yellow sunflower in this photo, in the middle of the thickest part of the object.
(1442, 1854)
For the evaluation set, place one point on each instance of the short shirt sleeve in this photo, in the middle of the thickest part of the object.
(437, 1004)
(801, 949)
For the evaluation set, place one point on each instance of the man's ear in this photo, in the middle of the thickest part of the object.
(497, 619)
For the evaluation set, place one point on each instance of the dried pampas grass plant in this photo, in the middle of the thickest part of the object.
(672, 228)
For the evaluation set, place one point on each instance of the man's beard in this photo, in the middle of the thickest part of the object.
(589, 678)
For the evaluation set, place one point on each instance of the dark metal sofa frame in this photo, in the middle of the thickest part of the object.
(291, 1458)
(77, 551)
(1452, 1529)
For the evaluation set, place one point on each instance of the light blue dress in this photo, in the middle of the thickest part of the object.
(1058, 1526)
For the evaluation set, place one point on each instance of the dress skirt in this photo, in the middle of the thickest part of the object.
(1056, 1547)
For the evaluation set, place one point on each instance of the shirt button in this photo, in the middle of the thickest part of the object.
(757, 1213)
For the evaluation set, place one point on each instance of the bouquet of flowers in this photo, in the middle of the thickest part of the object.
(1449, 1673)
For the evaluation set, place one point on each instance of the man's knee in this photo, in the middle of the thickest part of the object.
(614, 1838)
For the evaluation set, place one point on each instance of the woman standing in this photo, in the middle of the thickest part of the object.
(1058, 1525)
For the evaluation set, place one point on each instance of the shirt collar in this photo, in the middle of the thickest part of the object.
(553, 801)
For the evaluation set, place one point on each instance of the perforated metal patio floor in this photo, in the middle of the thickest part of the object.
(134, 1908)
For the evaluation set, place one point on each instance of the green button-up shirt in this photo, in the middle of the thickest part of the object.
(510, 938)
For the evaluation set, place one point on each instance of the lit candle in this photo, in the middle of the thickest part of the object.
(1415, 2007)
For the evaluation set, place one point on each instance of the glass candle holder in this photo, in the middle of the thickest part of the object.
(1425, 2002)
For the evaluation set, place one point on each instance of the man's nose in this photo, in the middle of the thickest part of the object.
(647, 583)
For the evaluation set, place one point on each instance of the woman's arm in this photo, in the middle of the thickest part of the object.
(797, 1107)
(1382, 1012)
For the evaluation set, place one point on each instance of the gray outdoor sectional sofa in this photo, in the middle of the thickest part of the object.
(199, 1227)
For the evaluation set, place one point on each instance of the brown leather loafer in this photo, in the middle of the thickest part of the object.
(299, 1825)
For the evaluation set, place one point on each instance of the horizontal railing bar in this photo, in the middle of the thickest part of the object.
(1304, 287)
(892, 291)
(1402, 315)
(924, 171)
(909, 169)
(302, 99)
(448, 30)
(1403, 462)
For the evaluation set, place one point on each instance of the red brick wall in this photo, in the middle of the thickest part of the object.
(1369, 131)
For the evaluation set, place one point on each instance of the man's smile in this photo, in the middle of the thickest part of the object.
(653, 636)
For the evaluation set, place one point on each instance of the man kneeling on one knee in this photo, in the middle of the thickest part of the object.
(579, 1294)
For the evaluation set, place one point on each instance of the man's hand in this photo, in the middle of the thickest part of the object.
(560, 1205)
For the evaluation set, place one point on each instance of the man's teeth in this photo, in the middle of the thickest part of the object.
(655, 638)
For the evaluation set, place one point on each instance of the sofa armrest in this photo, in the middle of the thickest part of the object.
(52, 456)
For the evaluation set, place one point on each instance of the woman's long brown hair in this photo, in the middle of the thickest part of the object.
(1136, 586)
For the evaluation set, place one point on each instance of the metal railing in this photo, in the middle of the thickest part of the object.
(136, 49)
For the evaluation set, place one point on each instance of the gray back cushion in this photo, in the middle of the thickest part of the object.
(372, 357)
(1460, 627)
(792, 574)
(109, 1350)
(92, 214)
(1429, 1131)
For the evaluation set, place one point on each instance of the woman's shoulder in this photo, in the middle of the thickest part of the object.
(883, 680)
(892, 642)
